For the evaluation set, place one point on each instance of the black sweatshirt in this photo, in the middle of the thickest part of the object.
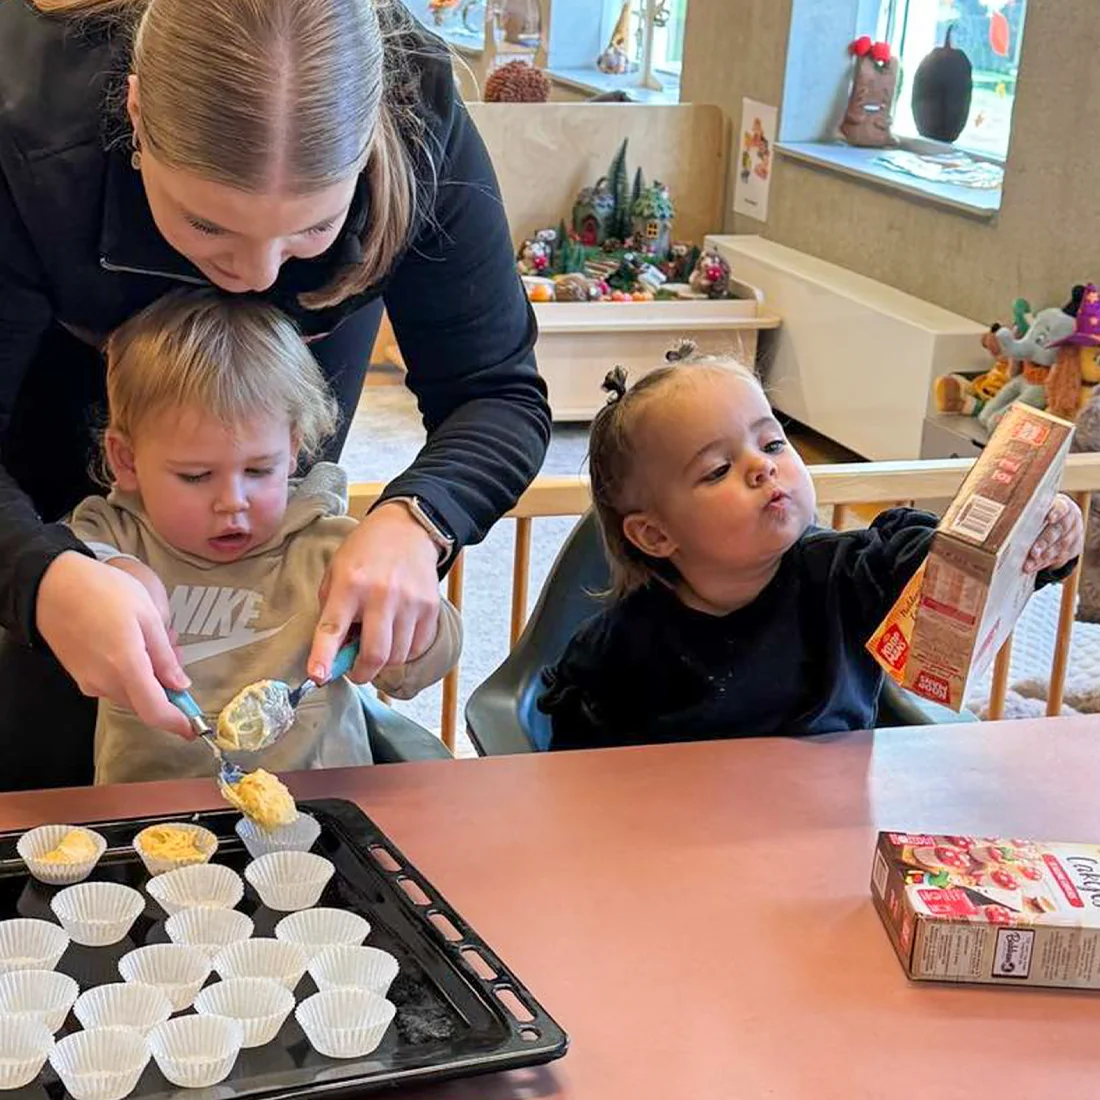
(78, 248)
(649, 669)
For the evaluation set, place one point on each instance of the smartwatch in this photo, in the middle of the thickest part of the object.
(431, 521)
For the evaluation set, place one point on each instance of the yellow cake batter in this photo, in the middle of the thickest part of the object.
(262, 797)
(254, 717)
(76, 847)
(169, 842)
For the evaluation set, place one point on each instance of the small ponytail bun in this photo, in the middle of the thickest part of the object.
(614, 384)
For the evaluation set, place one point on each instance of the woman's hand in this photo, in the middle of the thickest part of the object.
(1062, 538)
(150, 582)
(110, 636)
(384, 575)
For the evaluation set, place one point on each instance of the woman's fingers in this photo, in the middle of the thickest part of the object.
(383, 577)
(337, 615)
(427, 626)
(376, 636)
(152, 667)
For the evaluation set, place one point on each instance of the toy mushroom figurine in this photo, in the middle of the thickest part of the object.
(711, 276)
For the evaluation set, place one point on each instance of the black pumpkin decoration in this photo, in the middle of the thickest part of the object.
(942, 89)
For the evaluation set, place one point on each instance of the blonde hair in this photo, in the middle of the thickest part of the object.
(613, 454)
(234, 358)
(294, 93)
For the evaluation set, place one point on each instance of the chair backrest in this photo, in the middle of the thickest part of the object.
(501, 714)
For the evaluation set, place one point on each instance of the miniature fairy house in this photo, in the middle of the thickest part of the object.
(603, 211)
(652, 213)
(594, 213)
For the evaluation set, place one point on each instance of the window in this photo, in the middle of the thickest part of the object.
(966, 176)
(635, 45)
(668, 37)
(461, 22)
(989, 32)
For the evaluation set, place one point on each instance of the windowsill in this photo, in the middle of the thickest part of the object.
(861, 164)
(454, 34)
(592, 80)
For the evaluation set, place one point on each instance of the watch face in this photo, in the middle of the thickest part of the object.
(430, 514)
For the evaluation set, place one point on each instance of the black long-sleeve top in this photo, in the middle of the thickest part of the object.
(79, 248)
(791, 663)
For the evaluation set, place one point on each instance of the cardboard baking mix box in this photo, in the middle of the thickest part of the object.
(963, 602)
(990, 909)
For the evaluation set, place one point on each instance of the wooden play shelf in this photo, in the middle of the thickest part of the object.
(579, 342)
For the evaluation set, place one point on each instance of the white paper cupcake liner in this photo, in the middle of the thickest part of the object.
(196, 1051)
(25, 1044)
(27, 944)
(97, 913)
(260, 1005)
(289, 881)
(36, 843)
(208, 930)
(345, 1023)
(208, 885)
(43, 995)
(205, 841)
(299, 836)
(176, 970)
(276, 960)
(132, 1005)
(103, 1063)
(347, 967)
(315, 929)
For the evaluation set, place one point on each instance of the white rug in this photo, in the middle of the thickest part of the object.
(1032, 654)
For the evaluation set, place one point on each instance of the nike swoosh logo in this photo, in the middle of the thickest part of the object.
(200, 651)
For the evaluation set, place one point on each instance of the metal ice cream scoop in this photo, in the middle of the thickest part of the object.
(229, 773)
(258, 715)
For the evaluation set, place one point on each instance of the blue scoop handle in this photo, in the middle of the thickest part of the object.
(184, 701)
(345, 659)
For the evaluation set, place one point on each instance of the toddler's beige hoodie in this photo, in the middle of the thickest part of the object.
(247, 620)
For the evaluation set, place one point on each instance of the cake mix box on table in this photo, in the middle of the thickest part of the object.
(988, 909)
(963, 602)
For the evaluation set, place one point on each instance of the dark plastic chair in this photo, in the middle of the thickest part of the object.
(501, 714)
(395, 739)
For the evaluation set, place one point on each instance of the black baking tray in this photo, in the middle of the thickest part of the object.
(460, 1010)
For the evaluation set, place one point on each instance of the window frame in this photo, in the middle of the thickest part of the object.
(892, 26)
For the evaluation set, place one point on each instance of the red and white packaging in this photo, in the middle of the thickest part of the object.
(963, 602)
(993, 910)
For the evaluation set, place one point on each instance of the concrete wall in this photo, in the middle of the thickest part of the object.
(1047, 235)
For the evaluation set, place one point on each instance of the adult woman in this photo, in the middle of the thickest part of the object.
(312, 151)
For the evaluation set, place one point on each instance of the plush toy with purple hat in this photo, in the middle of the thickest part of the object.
(1076, 371)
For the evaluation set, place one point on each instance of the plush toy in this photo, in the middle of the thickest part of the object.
(956, 393)
(874, 84)
(1036, 355)
(1076, 369)
(959, 393)
(1087, 440)
(942, 89)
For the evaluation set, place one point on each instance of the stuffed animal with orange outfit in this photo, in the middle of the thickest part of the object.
(1076, 370)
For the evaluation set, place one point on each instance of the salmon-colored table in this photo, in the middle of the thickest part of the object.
(698, 916)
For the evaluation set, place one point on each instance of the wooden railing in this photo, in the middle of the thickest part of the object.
(841, 487)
